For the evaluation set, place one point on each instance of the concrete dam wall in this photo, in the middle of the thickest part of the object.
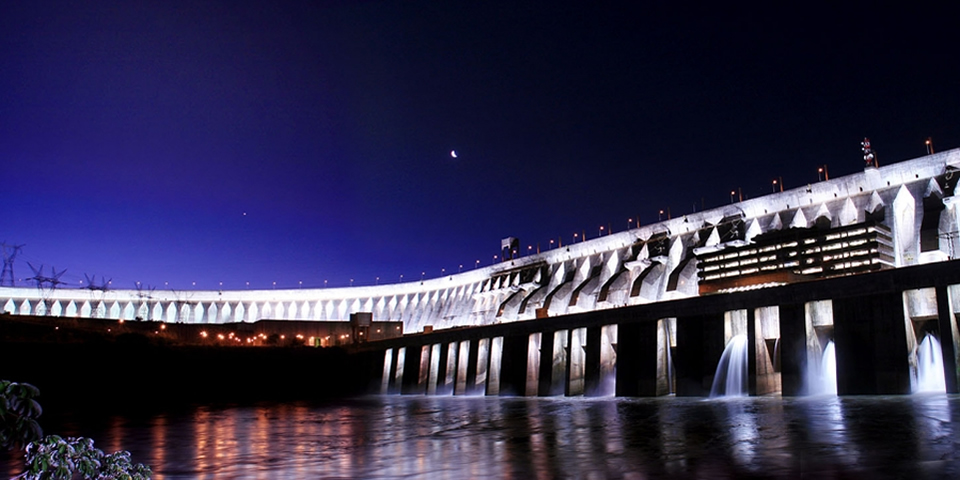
(897, 215)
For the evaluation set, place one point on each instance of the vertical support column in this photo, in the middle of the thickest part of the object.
(396, 379)
(462, 376)
(793, 349)
(591, 370)
(426, 369)
(948, 336)
(545, 375)
(576, 341)
(559, 377)
(437, 371)
(700, 343)
(532, 386)
(388, 371)
(447, 370)
(871, 345)
(493, 365)
(396, 370)
(513, 366)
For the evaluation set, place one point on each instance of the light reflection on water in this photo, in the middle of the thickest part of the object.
(478, 437)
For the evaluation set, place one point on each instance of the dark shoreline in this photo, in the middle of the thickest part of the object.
(79, 371)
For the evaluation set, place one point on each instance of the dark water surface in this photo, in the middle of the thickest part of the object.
(541, 438)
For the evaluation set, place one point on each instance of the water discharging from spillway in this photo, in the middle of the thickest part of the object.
(730, 380)
(930, 366)
(823, 377)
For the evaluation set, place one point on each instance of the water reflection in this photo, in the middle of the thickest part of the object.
(543, 438)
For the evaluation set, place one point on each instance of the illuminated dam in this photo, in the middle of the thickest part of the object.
(911, 204)
(850, 278)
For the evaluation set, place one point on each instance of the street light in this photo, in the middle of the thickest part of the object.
(822, 173)
(574, 238)
(601, 231)
(929, 144)
(660, 217)
(477, 264)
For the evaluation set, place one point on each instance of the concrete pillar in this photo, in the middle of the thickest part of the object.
(513, 366)
(387, 369)
(793, 349)
(531, 389)
(767, 350)
(396, 370)
(592, 363)
(637, 359)
(576, 361)
(446, 368)
(436, 372)
(700, 343)
(948, 339)
(493, 365)
(871, 345)
(425, 368)
(463, 368)
(545, 375)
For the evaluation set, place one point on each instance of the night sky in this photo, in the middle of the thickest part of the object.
(180, 142)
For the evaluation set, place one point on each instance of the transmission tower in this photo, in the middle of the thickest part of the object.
(143, 309)
(50, 282)
(9, 254)
(182, 301)
(97, 294)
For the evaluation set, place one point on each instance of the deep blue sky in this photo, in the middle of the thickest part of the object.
(308, 141)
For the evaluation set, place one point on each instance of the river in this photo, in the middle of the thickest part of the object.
(385, 437)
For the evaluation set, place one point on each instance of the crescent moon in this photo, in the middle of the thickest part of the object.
(453, 153)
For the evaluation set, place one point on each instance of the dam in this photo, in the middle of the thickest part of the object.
(861, 265)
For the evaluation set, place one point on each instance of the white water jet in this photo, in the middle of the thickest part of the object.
(822, 376)
(930, 366)
(828, 370)
(730, 380)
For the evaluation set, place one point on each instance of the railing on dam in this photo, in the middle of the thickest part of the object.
(874, 321)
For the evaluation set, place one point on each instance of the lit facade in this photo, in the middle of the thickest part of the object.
(908, 205)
